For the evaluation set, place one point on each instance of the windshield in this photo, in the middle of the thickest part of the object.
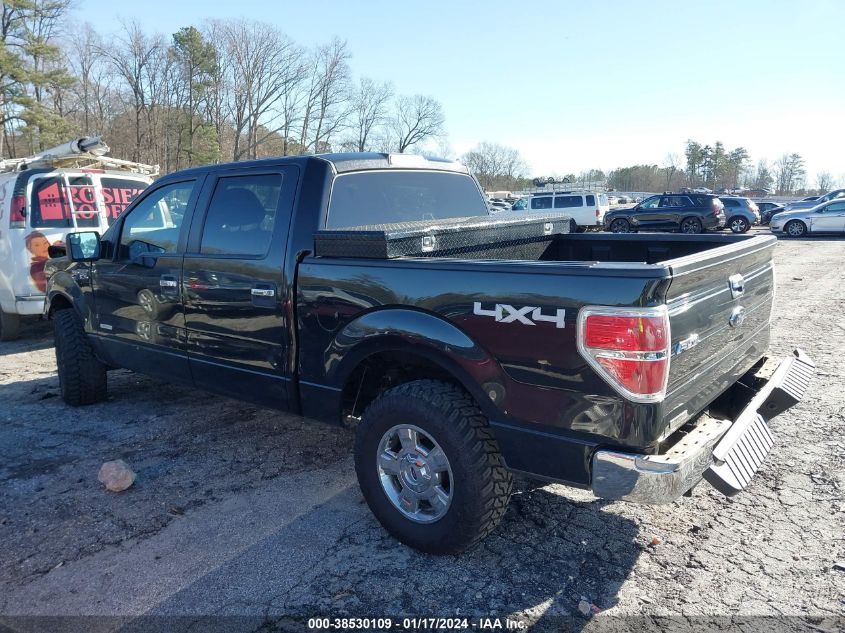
(386, 197)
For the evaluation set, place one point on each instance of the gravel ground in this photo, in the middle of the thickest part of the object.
(241, 511)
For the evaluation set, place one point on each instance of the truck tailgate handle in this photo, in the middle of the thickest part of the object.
(264, 295)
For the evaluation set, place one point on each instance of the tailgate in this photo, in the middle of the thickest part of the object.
(720, 303)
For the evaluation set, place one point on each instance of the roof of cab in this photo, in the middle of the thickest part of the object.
(342, 162)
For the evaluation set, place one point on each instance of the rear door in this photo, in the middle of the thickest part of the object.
(234, 279)
(573, 206)
(673, 209)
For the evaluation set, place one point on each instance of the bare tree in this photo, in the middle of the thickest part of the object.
(495, 165)
(824, 182)
(369, 111)
(133, 54)
(789, 173)
(416, 119)
(327, 104)
(671, 164)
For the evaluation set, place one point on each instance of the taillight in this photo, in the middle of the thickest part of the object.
(598, 213)
(629, 348)
(17, 215)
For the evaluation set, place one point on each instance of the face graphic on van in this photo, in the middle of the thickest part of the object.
(37, 244)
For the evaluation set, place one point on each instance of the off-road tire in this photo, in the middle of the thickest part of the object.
(481, 483)
(82, 378)
(10, 326)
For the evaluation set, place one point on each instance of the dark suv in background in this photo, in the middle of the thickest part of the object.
(684, 212)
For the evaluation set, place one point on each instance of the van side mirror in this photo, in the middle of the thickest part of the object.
(83, 247)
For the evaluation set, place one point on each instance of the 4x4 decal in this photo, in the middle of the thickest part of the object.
(527, 315)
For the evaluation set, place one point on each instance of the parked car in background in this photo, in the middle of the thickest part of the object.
(497, 204)
(768, 209)
(42, 199)
(586, 208)
(809, 204)
(687, 213)
(828, 217)
(741, 213)
(758, 193)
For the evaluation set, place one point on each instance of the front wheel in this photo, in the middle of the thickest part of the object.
(429, 467)
(620, 226)
(795, 228)
(738, 224)
(691, 225)
(82, 377)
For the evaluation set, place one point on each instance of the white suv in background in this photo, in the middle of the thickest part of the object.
(586, 208)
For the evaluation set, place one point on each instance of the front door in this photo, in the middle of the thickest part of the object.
(831, 219)
(646, 214)
(236, 317)
(137, 294)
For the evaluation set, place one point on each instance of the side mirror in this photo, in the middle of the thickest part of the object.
(83, 247)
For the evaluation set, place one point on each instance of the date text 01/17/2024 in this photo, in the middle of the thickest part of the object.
(416, 623)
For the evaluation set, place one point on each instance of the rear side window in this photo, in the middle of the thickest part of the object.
(53, 204)
(730, 203)
(386, 197)
(118, 193)
(568, 202)
(241, 215)
(591, 201)
(544, 202)
(674, 201)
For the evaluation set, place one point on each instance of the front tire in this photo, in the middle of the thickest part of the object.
(82, 378)
(795, 228)
(620, 226)
(10, 326)
(429, 467)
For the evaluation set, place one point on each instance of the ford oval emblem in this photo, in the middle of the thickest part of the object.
(737, 317)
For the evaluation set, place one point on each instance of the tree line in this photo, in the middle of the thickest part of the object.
(218, 91)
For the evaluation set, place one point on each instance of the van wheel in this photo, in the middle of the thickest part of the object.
(738, 224)
(82, 377)
(429, 467)
(10, 326)
(691, 225)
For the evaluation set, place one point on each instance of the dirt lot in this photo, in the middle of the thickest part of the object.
(247, 512)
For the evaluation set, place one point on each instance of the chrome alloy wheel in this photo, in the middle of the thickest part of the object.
(739, 225)
(415, 473)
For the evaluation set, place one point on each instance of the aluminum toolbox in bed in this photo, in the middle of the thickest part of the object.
(474, 238)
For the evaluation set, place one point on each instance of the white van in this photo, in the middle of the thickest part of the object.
(586, 208)
(45, 197)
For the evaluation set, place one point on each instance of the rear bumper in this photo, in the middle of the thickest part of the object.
(725, 452)
(29, 305)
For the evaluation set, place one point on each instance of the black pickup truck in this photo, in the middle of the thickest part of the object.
(347, 288)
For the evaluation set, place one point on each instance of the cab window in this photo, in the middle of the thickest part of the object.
(673, 201)
(153, 225)
(241, 215)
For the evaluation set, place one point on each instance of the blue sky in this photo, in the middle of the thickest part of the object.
(580, 85)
